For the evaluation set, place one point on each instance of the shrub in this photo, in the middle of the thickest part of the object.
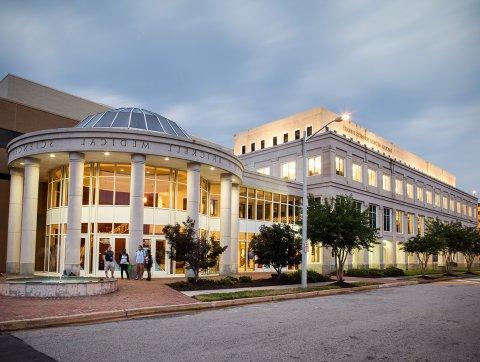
(245, 279)
(296, 277)
(391, 271)
(227, 281)
(366, 273)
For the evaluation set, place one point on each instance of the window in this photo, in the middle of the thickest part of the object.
(339, 166)
(452, 205)
(285, 137)
(437, 200)
(445, 202)
(264, 170)
(386, 182)
(315, 165)
(356, 172)
(315, 254)
(464, 209)
(420, 193)
(274, 141)
(421, 226)
(429, 197)
(243, 149)
(387, 219)
(297, 134)
(409, 190)
(410, 224)
(288, 170)
(470, 214)
(372, 177)
(262, 144)
(398, 186)
(372, 211)
(252, 146)
(309, 130)
(399, 221)
(459, 209)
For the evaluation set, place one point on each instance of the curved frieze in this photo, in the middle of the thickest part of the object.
(118, 140)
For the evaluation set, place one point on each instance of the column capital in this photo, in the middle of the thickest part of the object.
(76, 156)
(226, 176)
(31, 161)
(193, 165)
(16, 171)
(138, 158)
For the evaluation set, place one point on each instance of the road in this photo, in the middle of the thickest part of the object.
(431, 322)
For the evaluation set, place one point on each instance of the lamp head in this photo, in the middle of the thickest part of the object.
(344, 117)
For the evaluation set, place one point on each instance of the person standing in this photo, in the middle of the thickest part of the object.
(124, 261)
(140, 262)
(108, 262)
(148, 264)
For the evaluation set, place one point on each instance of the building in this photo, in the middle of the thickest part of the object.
(119, 176)
(26, 106)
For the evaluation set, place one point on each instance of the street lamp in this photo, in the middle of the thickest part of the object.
(342, 117)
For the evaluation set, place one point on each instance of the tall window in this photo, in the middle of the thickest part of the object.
(398, 186)
(429, 197)
(387, 219)
(452, 205)
(262, 144)
(297, 134)
(420, 193)
(445, 202)
(459, 209)
(285, 137)
(372, 211)
(309, 130)
(410, 224)
(356, 172)
(386, 182)
(274, 141)
(288, 170)
(409, 190)
(437, 200)
(252, 146)
(421, 225)
(399, 221)
(339, 166)
(372, 177)
(264, 170)
(315, 165)
(244, 150)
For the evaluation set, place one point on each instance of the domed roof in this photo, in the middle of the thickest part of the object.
(133, 118)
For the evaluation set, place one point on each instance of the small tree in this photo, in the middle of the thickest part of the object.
(277, 245)
(338, 223)
(450, 236)
(470, 246)
(423, 247)
(197, 252)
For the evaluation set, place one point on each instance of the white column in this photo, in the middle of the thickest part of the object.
(193, 192)
(363, 258)
(137, 187)
(234, 226)
(29, 216)
(14, 221)
(74, 214)
(226, 222)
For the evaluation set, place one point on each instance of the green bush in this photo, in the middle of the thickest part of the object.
(245, 279)
(227, 281)
(296, 277)
(391, 271)
(365, 272)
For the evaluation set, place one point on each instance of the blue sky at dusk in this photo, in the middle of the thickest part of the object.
(408, 70)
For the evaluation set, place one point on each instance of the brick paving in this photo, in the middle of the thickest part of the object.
(130, 294)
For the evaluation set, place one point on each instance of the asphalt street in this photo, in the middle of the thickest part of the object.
(431, 322)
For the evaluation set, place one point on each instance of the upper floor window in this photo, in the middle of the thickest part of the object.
(386, 182)
(372, 177)
(452, 205)
(264, 170)
(470, 214)
(437, 200)
(464, 209)
(420, 193)
(409, 190)
(459, 208)
(262, 144)
(252, 146)
(274, 141)
(372, 211)
(315, 165)
(285, 137)
(356, 172)
(398, 186)
(244, 149)
(288, 170)
(445, 202)
(429, 196)
(421, 225)
(297, 134)
(387, 219)
(339, 166)
(410, 224)
(399, 221)
(309, 130)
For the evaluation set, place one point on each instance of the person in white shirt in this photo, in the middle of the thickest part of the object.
(139, 261)
(124, 261)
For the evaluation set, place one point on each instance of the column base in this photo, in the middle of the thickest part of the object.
(226, 269)
(72, 270)
(13, 267)
(27, 268)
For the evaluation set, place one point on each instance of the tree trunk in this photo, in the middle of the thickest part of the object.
(469, 259)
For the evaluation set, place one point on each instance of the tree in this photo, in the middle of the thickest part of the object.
(450, 236)
(197, 252)
(423, 247)
(338, 223)
(277, 245)
(470, 246)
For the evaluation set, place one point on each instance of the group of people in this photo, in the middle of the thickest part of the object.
(143, 261)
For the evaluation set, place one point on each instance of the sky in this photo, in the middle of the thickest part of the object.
(407, 70)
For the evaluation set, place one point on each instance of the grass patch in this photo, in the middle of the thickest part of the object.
(269, 292)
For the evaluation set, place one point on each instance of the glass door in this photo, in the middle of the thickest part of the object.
(160, 256)
(102, 246)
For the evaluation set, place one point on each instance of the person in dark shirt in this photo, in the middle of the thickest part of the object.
(109, 263)
(124, 261)
(148, 264)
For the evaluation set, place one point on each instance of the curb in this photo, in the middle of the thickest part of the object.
(85, 318)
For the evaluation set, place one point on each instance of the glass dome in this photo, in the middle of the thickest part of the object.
(133, 118)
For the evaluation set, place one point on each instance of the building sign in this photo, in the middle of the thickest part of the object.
(372, 141)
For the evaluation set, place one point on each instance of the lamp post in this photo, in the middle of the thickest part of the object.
(342, 117)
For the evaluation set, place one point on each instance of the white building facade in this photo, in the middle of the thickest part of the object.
(120, 176)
